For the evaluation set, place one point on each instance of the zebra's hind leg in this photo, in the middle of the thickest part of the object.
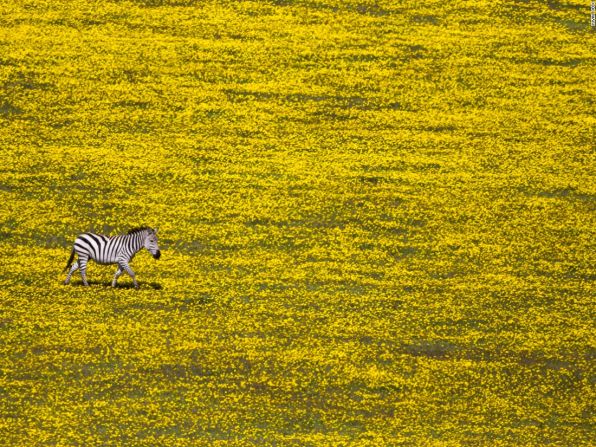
(83, 268)
(116, 276)
(73, 268)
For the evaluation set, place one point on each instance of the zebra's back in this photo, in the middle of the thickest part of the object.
(101, 248)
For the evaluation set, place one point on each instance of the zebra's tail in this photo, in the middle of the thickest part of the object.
(72, 255)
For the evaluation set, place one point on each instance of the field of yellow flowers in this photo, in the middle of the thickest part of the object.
(376, 221)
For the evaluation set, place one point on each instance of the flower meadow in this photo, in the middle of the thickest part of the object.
(376, 221)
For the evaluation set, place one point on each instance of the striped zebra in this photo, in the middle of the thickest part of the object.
(112, 250)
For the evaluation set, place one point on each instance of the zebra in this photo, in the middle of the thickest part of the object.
(118, 249)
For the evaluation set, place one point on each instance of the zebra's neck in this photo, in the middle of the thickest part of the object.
(136, 241)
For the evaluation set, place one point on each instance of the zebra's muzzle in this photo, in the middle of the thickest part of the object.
(157, 254)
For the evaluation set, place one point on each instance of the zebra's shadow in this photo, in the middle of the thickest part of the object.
(153, 285)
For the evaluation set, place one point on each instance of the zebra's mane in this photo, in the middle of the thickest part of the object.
(138, 229)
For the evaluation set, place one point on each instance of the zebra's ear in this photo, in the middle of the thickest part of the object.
(155, 230)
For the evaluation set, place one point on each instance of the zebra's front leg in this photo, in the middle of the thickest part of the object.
(128, 270)
(116, 276)
(73, 268)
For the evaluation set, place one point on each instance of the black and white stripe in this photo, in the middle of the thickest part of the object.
(111, 250)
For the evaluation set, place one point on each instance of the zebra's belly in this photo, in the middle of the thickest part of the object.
(103, 261)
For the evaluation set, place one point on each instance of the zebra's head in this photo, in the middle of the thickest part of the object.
(151, 243)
